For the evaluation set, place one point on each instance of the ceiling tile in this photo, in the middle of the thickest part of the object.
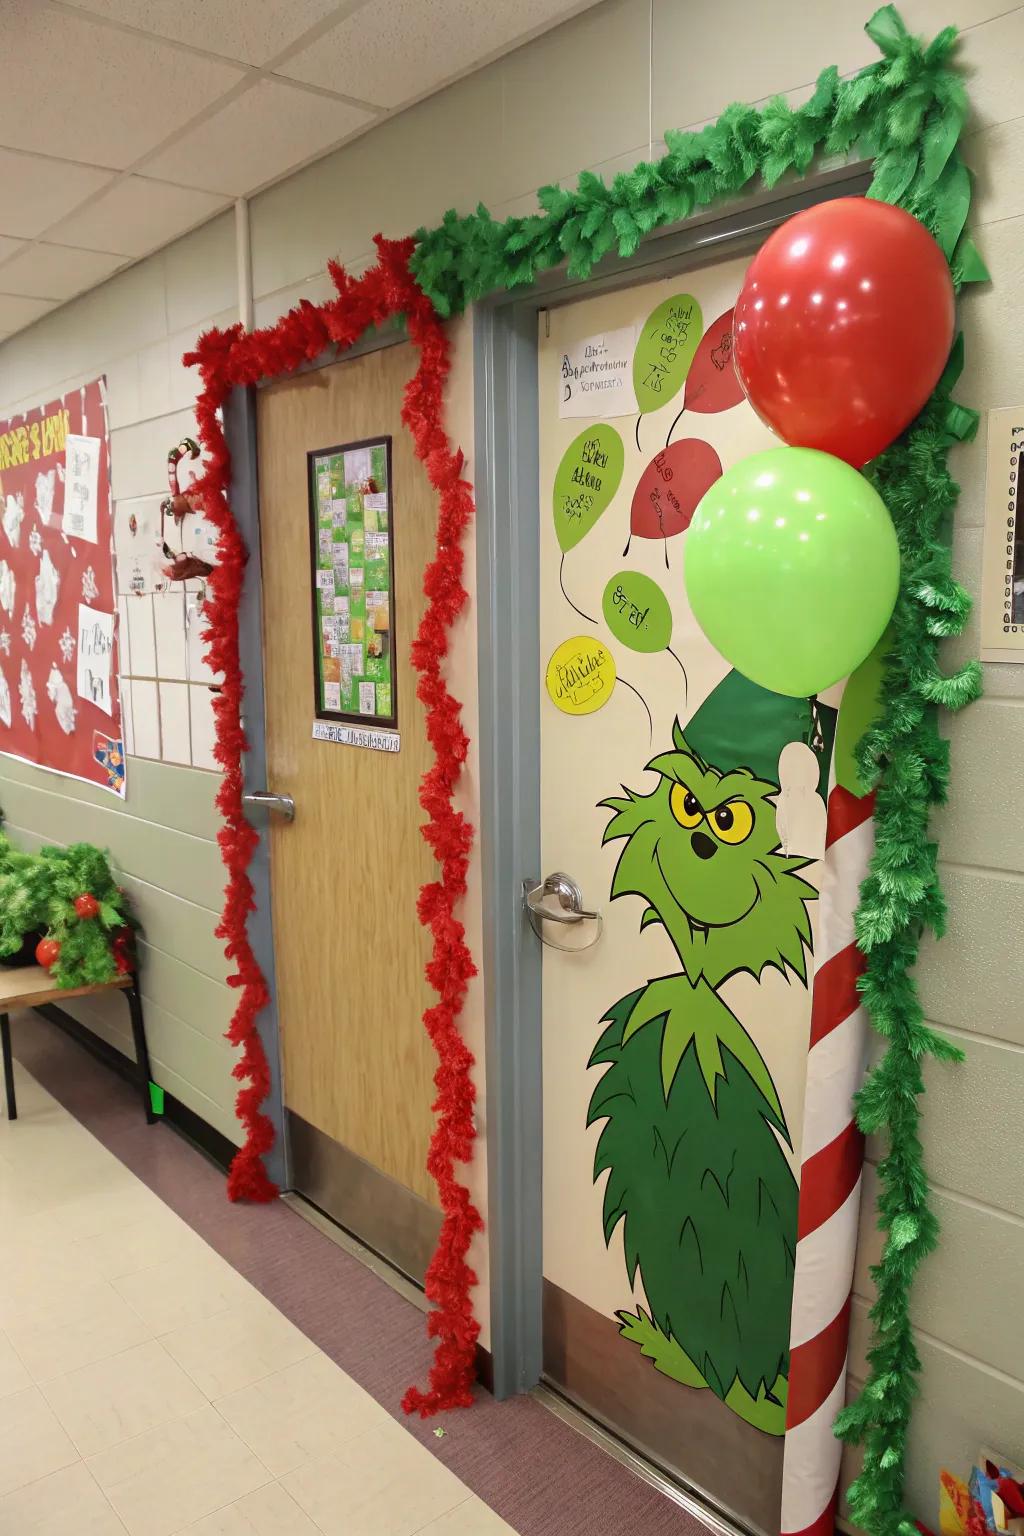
(394, 51)
(136, 216)
(8, 247)
(107, 96)
(17, 312)
(257, 138)
(37, 192)
(56, 271)
(254, 31)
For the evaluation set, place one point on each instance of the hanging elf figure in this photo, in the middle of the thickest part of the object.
(695, 1133)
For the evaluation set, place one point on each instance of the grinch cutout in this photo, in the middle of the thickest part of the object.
(8, 589)
(695, 1133)
(27, 694)
(64, 705)
(5, 698)
(47, 589)
(14, 513)
(46, 484)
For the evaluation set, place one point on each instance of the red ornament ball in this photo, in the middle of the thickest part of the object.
(47, 953)
(86, 905)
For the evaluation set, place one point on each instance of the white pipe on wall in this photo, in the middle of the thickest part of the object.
(243, 254)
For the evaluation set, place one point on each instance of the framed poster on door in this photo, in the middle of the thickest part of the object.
(352, 562)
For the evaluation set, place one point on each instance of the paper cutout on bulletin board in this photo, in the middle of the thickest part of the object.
(668, 339)
(580, 676)
(712, 383)
(670, 488)
(586, 480)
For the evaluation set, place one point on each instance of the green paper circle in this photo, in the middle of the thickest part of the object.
(585, 482)
(664, 351)
(637, 612)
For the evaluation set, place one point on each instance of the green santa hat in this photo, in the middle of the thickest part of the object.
(742, 725)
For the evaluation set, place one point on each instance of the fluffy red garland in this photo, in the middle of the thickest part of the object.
(225, 360)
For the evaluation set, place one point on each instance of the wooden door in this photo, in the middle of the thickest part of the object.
(350, 952)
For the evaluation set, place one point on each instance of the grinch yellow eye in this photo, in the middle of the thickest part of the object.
(732, 823)
(685, 806)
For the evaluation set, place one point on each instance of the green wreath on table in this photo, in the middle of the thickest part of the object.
(64, 907)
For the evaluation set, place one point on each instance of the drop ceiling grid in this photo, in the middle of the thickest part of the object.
(168, 109)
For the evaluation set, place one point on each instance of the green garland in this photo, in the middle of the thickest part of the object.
(906, 112)
(37, 895)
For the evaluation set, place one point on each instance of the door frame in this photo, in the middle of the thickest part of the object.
(506, 472)
(240, 432)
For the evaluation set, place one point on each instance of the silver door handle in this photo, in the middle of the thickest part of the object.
(266, 800)
(570, 909)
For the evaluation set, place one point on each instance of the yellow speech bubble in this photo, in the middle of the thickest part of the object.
(580, 675)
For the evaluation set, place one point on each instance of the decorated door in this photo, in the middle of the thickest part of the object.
(683, 837)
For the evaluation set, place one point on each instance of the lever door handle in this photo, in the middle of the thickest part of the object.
(570, 909)
(266, 800)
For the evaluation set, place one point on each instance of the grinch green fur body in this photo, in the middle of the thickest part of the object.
(694, 1140)
(714, 1177)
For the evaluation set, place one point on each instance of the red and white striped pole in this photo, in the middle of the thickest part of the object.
(832, 1154)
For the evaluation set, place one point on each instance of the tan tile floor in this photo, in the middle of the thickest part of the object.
(147, 1389)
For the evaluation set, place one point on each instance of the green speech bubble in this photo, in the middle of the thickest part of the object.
(587, 479)
(637, 612)
(668, 340)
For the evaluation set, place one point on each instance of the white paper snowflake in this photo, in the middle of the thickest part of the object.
(66, 643)
(63, 703)
(35, 542)
(5, 642)
(8, 586)
(27, 690)
(90, 591)
(28, 629)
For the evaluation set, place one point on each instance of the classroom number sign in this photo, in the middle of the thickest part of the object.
(351, 544)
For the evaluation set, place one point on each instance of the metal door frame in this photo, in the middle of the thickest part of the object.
(508, 522)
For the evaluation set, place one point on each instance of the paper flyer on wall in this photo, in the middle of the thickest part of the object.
(351, 533)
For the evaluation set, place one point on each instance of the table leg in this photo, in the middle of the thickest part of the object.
(141, 1049)
(5, 1042)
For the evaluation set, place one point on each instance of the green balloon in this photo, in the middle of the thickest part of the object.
(585, 482)
(792, 568)
(664, 351)
(637, 612)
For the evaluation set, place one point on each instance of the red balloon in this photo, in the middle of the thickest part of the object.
(844, 326)
(670, 487)
(711, 383)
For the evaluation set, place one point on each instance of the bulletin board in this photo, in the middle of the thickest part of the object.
(59, 701)
(1002, 586)
(353, 564)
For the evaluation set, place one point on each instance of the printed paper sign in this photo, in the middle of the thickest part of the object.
(81, 486)
(597, 376)
(1002, 583)
(357, 736)
(95, 657)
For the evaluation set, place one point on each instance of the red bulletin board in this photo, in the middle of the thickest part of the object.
(59, 701)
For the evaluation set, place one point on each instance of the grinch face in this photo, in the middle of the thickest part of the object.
(703, 851)
(713, 830)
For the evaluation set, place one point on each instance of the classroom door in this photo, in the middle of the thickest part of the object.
(675, 1019)
(349, 950)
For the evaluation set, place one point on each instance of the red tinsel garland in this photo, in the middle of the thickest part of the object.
(225, 360)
